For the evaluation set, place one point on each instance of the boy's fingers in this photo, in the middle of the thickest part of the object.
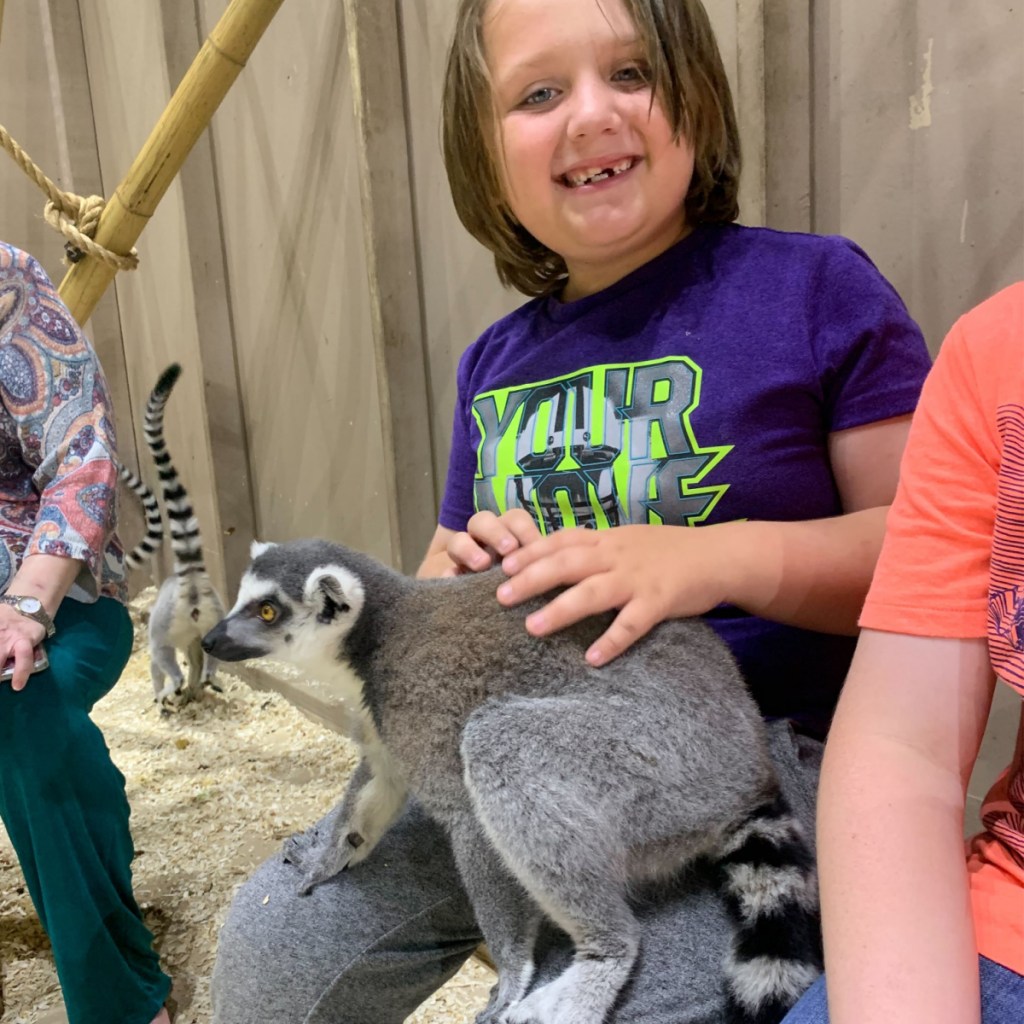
(592, 596)
(543, 575)
(546, 546)
(521, 526)
(629, 626)
(489, 533)
(503, 534)
(464, 550)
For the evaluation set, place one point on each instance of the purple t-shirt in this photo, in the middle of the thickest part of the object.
(701, 388)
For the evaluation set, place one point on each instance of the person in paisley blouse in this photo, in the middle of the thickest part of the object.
(65, 636)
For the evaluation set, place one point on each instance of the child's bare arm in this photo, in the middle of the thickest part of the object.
(810, 574)
(436, 561)
(813, 574)
(899, 940)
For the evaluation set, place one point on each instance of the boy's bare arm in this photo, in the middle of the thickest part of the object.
(436, 561)
(813, 574)
(810, 574)
(899, 941)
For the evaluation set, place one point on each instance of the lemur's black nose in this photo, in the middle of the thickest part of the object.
(224, 647)
(210, 640)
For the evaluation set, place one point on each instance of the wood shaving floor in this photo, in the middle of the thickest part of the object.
(214, 788)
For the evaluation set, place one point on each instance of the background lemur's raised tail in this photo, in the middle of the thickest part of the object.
(187, 605)
(154, 536)
(186, 541)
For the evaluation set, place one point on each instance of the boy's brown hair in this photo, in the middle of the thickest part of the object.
(689, 81)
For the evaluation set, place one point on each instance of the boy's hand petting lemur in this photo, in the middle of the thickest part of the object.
(648, 573)
(488, 538)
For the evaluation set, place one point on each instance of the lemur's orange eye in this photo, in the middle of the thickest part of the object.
(268, 612)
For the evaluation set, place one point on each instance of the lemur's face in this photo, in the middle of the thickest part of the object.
(299, 616)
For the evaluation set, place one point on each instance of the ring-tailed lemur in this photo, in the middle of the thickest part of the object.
(550, 776)
(187, 604)
(154, 535)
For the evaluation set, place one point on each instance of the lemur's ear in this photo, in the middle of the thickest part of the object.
(332, 590)
(257, 547)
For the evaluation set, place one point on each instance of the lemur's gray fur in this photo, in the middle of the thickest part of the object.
(187, 605)
(560, 784)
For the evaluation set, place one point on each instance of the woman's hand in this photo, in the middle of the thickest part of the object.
(649, 573)
(47, 577)
(487, 538)
(19, 638)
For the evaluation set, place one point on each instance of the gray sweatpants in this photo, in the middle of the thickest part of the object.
(373, 943)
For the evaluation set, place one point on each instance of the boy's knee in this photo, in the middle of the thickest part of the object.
(267, 946)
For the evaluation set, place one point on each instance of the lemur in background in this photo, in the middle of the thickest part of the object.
(187, 604)
(560, 785)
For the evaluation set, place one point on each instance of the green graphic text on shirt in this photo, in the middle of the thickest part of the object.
(604, 446)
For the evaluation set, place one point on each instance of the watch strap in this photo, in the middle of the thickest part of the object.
(40, 616)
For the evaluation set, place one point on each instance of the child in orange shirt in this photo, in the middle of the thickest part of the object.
(905, 914)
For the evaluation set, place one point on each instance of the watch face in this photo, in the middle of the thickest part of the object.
(29, 605)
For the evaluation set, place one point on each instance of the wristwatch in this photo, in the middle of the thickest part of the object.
(31, 608)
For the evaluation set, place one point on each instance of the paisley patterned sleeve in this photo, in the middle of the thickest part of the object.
(53, 388)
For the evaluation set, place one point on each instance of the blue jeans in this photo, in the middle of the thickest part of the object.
(1002, 998)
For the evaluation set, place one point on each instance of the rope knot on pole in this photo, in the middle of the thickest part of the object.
(75, 217)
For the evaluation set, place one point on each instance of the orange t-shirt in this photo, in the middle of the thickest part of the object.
(952, 564)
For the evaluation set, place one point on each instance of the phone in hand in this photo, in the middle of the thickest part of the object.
(41, 662)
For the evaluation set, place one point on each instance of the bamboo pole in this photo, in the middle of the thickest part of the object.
(189, 111)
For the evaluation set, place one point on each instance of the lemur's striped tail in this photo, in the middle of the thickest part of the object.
(150, 543)
(771, 890)
(186, 542)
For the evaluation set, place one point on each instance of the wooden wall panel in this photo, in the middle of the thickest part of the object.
(125, 44)
(288, 185)
(902, 127)
(230, 471)
(739, 29)
(48, 109)
(788, 98)
(899, 128)
(392, 272)
(919, 146)
(460, 291)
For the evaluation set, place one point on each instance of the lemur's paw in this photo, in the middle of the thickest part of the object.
(213, 685)
(515, 1014)
(558, 1002)
(490, 1016)
(166, 695)
(318, 860)
(296, 847)
(495, 1011)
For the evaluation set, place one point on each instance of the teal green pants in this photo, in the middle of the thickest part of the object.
(63, 803)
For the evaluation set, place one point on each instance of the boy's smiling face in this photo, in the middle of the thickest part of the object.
(589, 165)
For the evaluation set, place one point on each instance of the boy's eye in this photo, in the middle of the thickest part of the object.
(268, 612)
(637, 74)
(538, 96)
